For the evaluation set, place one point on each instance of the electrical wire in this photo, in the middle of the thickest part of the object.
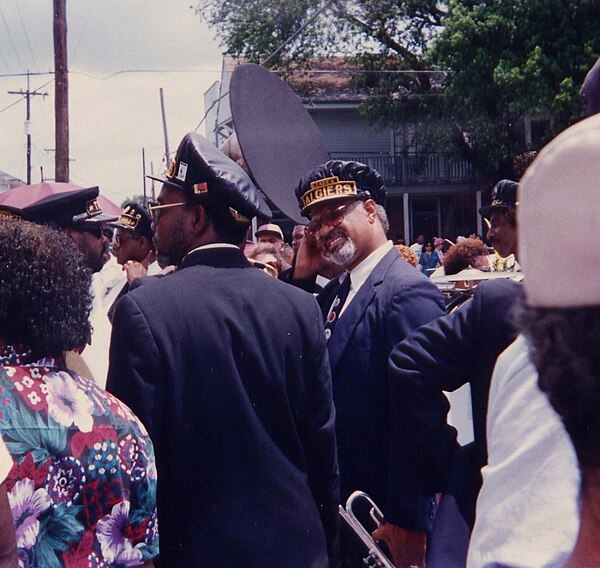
(26, 35)
(87, 20)
(12, 104)
(31, 74)
(12, 43)
(298, 31)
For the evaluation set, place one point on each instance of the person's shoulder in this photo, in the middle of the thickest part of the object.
(499, 290)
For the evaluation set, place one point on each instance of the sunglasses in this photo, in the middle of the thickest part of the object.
(155, 208)
(331, 217)
(93, 229)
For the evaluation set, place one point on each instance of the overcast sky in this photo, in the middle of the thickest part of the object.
(111, 117)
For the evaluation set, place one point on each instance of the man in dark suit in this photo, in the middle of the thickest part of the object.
(386, 299)
(228, 369)
(442, 356)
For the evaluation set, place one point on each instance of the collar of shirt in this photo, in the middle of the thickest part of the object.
(211, 246)
(362, 271)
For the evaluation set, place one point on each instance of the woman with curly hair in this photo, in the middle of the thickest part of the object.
(467, 253)
(83, 485)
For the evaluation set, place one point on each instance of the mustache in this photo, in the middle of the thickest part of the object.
(334, 234)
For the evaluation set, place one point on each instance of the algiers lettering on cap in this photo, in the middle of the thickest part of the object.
(326, 188)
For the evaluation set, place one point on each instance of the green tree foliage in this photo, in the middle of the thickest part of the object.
(254, 29)
(510, 59)
(496, 61)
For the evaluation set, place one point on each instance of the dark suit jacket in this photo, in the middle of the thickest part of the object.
(442, 356)
(227, 368)
(394, 300)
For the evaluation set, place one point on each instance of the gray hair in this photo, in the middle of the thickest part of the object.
(383, 218)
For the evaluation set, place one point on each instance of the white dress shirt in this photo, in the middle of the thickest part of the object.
(360, 273)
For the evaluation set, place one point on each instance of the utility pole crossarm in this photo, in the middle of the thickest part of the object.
(27, 94)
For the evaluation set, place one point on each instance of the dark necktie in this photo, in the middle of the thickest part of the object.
(337, 306)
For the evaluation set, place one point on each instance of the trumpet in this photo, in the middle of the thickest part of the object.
(375, 558)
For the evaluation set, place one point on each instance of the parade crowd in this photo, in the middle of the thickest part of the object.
(177, 389)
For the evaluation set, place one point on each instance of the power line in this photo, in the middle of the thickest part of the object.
(12, 43)
(12, 104)
(31, 74)
(125, 71)
(25, 32)
(298, 31)
(93, 5)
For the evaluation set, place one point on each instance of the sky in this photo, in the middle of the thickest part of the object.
(112, 114)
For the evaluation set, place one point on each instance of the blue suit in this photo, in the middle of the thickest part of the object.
(442, 356)
(393, 301)
(228, 369)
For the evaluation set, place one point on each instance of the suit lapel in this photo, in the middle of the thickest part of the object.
(354, 313)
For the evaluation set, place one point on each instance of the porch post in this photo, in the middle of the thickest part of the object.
(406, 219)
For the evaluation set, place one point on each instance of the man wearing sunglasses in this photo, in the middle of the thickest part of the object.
(78, 213)
(227, 368)
(386, 299)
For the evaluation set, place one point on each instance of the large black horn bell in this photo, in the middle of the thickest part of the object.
(278, 138)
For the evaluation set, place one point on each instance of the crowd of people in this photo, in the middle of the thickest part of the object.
(172, 394)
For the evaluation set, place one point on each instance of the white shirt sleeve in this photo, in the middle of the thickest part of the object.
(6, 461)
(527, 510)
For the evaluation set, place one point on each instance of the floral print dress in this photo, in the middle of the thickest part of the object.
(82, 489)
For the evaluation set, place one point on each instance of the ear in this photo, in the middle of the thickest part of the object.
(199, 220)
(146, 244)
(371, 208)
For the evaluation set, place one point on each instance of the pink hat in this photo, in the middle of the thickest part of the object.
(438, 241)
(559, 208)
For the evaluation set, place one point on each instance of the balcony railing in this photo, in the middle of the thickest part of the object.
(415, 169)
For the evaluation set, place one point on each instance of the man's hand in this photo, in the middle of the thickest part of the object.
(406, 547)
(309, 259)
(134, 269)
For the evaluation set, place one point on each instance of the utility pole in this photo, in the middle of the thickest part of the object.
(28, 94)
(144, 175)
(152, 180)
(61, 102)
(164, 120)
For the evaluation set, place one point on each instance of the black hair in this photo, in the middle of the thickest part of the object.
(45, 297)
(565, 349)
(228, 229)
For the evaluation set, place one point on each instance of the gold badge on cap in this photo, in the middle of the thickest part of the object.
(171, 171)
(4, 214)
(238, 216)
(92, 208)
(130, 218)
(327, 188)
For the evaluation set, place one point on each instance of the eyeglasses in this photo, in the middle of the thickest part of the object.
(119, 239)
(331, 217)
(154, 208)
